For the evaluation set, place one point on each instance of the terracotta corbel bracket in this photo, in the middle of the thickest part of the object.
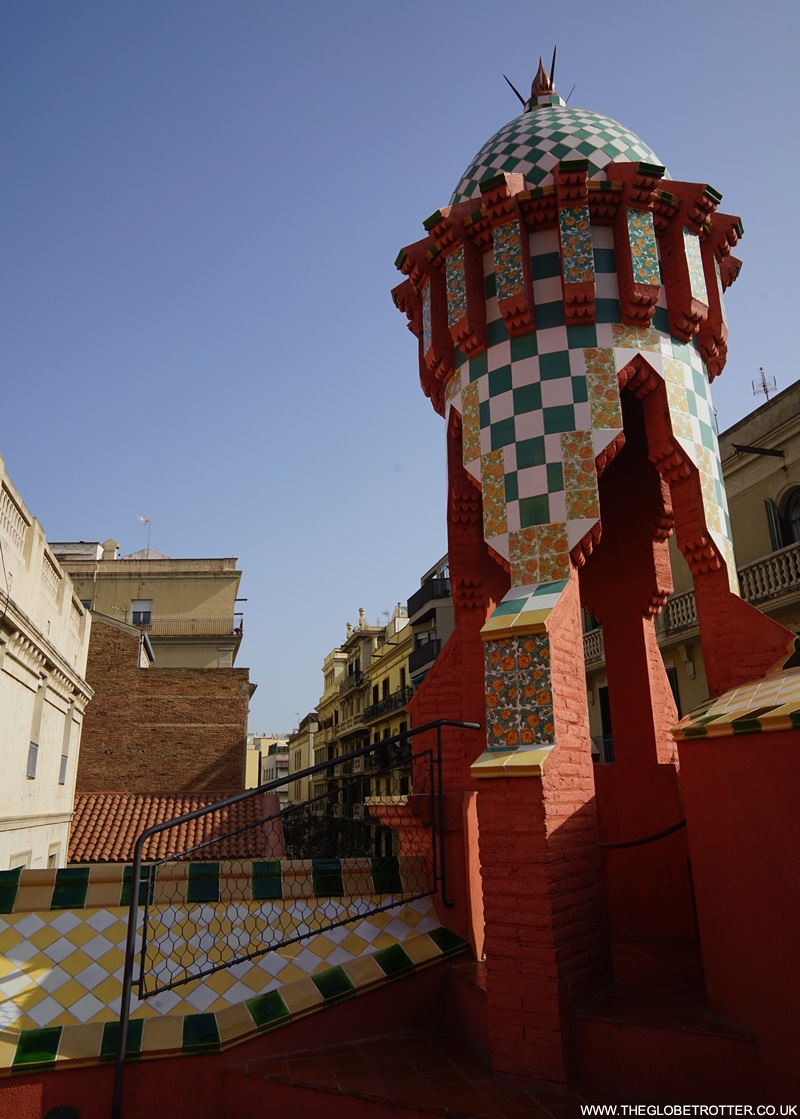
(641, 183)
(425, 303)
(687, 307)
(463, 266)
(720, 233)
(571, 179)
(512, 258)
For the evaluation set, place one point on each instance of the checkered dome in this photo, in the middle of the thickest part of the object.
(535, 142)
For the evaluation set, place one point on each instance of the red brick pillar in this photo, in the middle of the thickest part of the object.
(546, 941)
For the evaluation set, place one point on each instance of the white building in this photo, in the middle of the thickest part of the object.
(44, 640)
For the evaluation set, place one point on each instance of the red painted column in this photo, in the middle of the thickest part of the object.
(454, 689)
(546, 942)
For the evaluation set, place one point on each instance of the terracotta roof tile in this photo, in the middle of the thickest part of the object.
(105, 827)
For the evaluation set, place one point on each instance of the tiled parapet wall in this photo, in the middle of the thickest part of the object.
(61, 968)
(87, 887)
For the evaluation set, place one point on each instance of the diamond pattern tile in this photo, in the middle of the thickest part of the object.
(534, 142)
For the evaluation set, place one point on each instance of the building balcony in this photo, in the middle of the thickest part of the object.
(397, 699)
(423, 655)
(433, 589)
(347, 726)
(193, 627)
(763, 582)
(354, 680)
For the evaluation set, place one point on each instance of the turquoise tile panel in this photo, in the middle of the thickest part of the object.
(268, 1011)
(327, 878)
(200, 1032)
(267, 882)
(36, 1048)
(9, 884)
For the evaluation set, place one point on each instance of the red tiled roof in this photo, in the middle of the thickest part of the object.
(105, 827)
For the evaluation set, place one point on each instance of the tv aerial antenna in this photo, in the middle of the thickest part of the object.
(147, 521)
(764, 384)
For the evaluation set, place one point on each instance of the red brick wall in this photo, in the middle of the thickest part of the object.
(160, 730)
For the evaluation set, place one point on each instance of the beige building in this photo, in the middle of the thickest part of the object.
(761, 467)
(390, 690)
(187, 607)
(301, 756)
(44, 641)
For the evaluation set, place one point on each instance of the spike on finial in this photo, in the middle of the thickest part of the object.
(542, 83)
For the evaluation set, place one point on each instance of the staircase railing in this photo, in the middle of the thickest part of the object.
(211, 905)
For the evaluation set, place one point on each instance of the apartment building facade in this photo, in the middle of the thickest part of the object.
(44, 642)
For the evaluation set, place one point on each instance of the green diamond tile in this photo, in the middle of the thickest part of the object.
(9, 884)
(484, 415)
(549, 314)
(527, 398)
(327, 878)
(490, 284)
(534, 510)
(530, 452)
(546, 265)
(661, 320)
(681, 351)
(512, 606)
(559, 418)
(555, 477)
(458, 357)
(503, 433)
(605, 260)
(200, 1031)
(524, 346)
(203, 884)
(580, 393)
(447, 941)
(70, 888)
(512, 486)
(37, 1047)
(268, 1011)
(607, 310)
(267, 880)
(386, 875)
(554, 366)
(148, 874)
(550, 588)
(393, 961)
(496, 332)
(133, 1042)
(500, 380)
(478, 366)
(333, 984)
(579, 337)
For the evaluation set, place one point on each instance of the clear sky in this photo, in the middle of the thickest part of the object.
(202, 203)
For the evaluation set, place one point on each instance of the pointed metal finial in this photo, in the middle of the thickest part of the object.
(542, 83)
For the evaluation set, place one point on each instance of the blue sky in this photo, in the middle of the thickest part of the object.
(202, 204)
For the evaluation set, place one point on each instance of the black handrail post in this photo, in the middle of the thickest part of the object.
(127, 979)
(440, 815)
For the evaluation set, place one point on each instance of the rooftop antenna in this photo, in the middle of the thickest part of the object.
(147, 521)
(570, 93)
(764, 384)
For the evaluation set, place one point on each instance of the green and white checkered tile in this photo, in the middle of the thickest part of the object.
(533, 143)
(525, 393)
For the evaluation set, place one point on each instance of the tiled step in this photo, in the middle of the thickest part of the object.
(652, 1034)
(430, 1072)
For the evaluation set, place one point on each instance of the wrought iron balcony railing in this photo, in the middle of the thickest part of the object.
(423, 655)
(434, 588)
(398, 698)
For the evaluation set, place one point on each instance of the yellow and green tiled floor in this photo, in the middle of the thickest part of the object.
(61, 973)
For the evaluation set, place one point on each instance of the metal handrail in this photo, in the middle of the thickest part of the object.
(438, 852)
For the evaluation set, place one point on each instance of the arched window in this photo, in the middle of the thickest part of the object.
(791, 517)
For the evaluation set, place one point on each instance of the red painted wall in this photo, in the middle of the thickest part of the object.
(742, 795)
